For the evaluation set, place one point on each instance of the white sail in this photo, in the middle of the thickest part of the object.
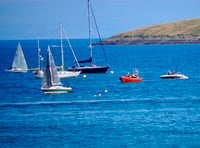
(51, 82)
(50, 77)
(19, 62)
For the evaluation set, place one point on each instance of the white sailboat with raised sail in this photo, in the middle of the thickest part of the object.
(51, 82)
(91, 67)
(65, 73)
(19, 62)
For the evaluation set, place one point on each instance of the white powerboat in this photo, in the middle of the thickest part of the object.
(173, 75)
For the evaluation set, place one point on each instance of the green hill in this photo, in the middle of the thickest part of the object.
(179, 32)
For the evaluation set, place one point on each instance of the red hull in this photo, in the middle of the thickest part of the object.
(130, 79)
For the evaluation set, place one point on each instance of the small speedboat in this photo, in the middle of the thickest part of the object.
(173, 75)
(130, 79)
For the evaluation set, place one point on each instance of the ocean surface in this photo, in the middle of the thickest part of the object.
(151, 113)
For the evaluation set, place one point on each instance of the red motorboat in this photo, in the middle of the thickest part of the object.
(131, 78)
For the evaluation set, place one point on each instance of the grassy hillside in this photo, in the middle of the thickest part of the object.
(185, 31)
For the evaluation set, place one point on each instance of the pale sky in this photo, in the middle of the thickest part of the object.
(28, 19)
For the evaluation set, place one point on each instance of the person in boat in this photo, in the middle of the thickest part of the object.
(128, 74)
(135, 75)
(169, 72)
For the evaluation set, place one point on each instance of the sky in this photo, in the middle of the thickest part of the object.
(28, 19)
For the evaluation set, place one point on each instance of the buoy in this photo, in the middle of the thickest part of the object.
(106, 91)
(84, 76)
(112, 72)
(99, 95)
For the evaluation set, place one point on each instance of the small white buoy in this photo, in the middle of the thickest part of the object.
(84, 76)
(106, 91)
(112, 72)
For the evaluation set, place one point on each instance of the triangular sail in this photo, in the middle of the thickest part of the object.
(50, 77)
(19, 59)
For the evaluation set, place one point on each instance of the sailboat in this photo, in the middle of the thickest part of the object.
(39, 73)
(19, 62)
(61, 73)
(65, 73)
(90, 68)
(51, 82)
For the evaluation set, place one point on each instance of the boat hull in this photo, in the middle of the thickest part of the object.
(90, 69)
(68, 74)
(38, 74)
(126, 79)
(56, 90)
(61, 74)
(174, 76)
(16, 70)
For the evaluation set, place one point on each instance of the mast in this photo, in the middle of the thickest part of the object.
(39, 57)
(90, 29)
(61, 46)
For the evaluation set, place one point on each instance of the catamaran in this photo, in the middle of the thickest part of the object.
(51, 82)
(19, 62)
(91, 67)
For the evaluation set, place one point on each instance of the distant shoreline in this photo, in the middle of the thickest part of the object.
(148, 42)
(178, 32)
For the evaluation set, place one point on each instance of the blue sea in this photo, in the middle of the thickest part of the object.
(151, 113)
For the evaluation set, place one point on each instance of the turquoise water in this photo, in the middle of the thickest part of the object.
(151, 113)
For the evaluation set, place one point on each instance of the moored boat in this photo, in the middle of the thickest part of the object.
(39, 73)
(88, 66)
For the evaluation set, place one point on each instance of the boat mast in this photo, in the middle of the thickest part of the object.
(61, 47)
(90, 29)
(39, 57)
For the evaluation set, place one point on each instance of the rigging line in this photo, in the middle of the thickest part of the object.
(98, 34)
(70, 47)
